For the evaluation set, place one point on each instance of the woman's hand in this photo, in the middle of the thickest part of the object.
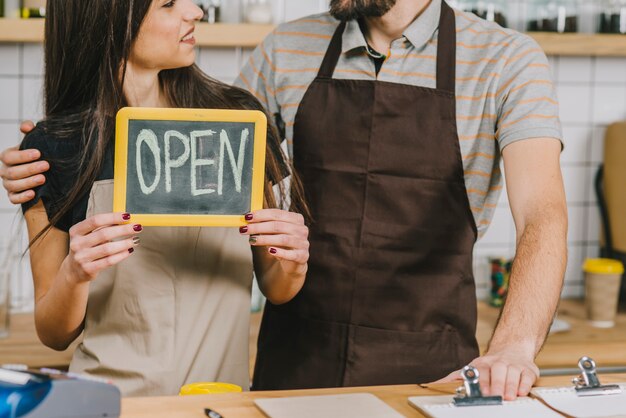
(284, 234)
(99, 242)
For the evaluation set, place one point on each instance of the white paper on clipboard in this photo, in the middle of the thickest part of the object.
(444, 407)
(565, 400)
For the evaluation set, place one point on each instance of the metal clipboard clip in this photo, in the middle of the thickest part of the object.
(588, 384)
(469, 394)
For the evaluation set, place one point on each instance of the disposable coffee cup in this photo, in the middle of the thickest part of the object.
(602, 284)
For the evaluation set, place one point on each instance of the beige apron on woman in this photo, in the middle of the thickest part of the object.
(177, 311)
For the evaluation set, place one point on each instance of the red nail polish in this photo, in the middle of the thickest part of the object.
(273, 251)
(131, 250)
(137, 228)
(249, 216)
(243, 229)
(126, 216)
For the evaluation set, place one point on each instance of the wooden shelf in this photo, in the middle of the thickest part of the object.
(221, 35)
(19, 30)
(228, 35)
(581, 44)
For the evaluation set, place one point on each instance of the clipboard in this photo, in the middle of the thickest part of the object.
(588, 398)
(444, 407)
(470, 402)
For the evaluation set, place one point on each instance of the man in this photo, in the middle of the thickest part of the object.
(396, 120)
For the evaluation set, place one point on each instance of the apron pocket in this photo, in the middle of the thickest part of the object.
(387, 357)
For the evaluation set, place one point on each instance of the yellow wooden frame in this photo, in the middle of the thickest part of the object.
(207, 115)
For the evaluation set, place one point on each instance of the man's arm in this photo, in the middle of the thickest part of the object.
(20, 171)
(537, 200)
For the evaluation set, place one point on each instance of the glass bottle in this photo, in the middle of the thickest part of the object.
(258, 11)
(493, 11)
(33, 8)
(561, 16)
(211, 9)
(612, 17)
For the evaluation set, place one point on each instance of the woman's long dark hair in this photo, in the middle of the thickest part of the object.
(87, 46)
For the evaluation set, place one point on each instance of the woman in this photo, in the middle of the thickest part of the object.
(175, 308)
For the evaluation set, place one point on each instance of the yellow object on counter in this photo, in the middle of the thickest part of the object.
(603, 266)
(209, 388)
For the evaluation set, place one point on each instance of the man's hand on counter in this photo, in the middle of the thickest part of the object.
(509, 373)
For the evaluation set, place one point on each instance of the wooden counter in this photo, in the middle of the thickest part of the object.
(241, 405)
(226, 35)
(23, 346)
(562, 350)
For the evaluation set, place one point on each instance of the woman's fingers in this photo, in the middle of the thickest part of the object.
(275, 228)
(14, 156)
(27, 126)
(101, 241)
(284, 233)
(296, 256)
(23, 171)
(23, 184)
(282, 240)
(265, 215)
(98, 221)
(108, 249)
(94, 267)
(111, 233)
(19, 198)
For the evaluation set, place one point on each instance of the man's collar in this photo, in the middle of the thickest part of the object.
(353, 37)
(419, 32)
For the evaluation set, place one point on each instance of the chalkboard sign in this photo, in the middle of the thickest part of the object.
(189, 167)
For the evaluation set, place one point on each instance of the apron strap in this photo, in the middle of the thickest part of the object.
(332, 53)
(446, 50)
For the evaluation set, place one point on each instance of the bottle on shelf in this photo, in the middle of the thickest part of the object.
(33, 9)
(257, 11)
(560, 16)
(612, 17)
(212, 10)
(493, 11)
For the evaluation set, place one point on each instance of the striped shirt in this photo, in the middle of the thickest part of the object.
(504, 89)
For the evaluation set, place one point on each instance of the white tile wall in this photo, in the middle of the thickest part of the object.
(32, 104)
(609, 103)
(610, 70)
(574, 102)
(592, 94)
(9, 59)
(11, 98)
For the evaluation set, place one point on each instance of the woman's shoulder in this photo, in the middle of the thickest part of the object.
(36, 139)
(50, 144)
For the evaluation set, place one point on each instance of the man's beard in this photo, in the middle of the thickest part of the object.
(356, 9)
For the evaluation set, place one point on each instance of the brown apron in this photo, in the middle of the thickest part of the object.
(390, 295)
(177, 311)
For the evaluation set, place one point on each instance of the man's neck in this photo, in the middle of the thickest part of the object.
(381, 31)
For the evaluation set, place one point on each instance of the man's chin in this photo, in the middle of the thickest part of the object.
(357, 9)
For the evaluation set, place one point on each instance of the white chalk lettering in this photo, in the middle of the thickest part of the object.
(197, 162)
(178, 162)
(237, 166)
(148, 137)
